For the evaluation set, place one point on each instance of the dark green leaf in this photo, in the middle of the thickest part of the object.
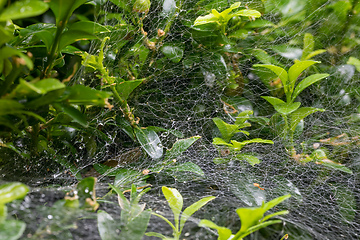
(63, 9)
(125, 88)
(75, 114)
(83, 95)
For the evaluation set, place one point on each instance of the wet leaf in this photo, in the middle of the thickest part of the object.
(12, 229)
(174, 53)
(187, 167)
(179, 147)
(23, 9)
(106, 226)
(150, 142)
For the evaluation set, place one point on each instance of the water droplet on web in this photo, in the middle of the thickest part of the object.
(50, 217)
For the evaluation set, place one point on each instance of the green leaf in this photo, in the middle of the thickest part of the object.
(174, 53)
(63, 9)
(82, 30)
(335, 166)
(267, 206)
(86, 189)
(300, 114)
(83, 95)
(7, 52)
(12, 191)
(210, 18)
(136, 228)
(308, 45)
(314, 53)
(220, 141)
(192, 209)
(227, 130)
(295, 71)
(274, 101)
(154, 234)
(224, 233)
(75, 114)
(247, 13)
(12, 229)
(252, 160)
(179, 147)
(249, 217)
(243, 116)
(280, 72)
(106, 226)
(150, 142)
(187, 167)
(23, 9)
(258, 227)
(354, 61)
(238, 145)
(125, 88)
(287, 108)
(10, 107)
(175, 201)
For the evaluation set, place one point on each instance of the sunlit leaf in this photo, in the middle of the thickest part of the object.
(12, 191)
(175, 201)
(224, 233)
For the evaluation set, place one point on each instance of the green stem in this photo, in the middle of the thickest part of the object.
(54, 47)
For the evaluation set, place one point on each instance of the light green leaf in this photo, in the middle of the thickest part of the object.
(274, 101)
(296, 69)
(12, 191)
(252, 160)
(267, 206)
(227, 130)
(335, 166)
(106, 226)
(150, 142)
(243, 116)
(175, 201)
(220, 141)
(354, 61)
(308, 45)
(154, 234)
(224, 233)
(300, 114)
(210, 18)
(23, 9)
(274, 215)
(174, 53)
(249, 217)
(192, 209)
(238, 145)
(314, 53)
(247, 13)
(307, 82)
(125, 88)
(280, 72)
(136, 228)
(12, 229)
(187, 167)
(287, 108)
(257, 227)
(179, 147)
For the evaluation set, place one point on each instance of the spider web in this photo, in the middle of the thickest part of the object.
(186, 95)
